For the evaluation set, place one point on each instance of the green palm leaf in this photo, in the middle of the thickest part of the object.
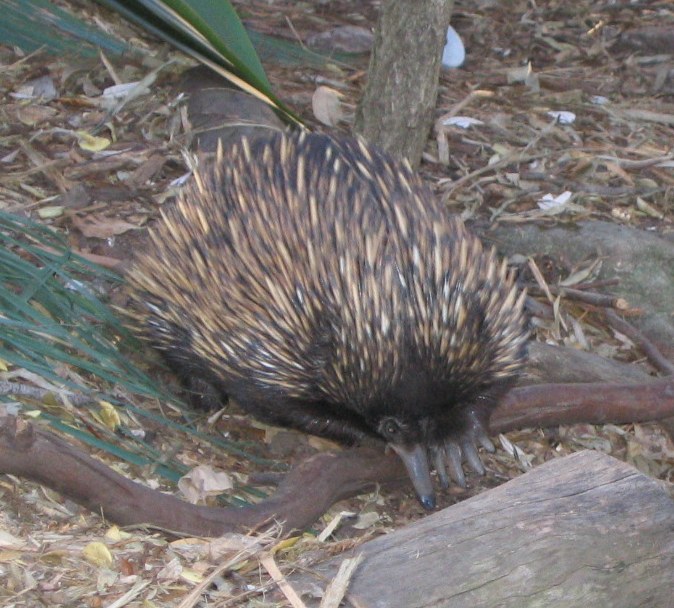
(209, 31)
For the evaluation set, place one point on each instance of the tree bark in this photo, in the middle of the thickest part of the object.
(585, 530)
(396, 110)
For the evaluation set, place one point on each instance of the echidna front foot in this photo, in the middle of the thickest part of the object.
(463, 448)
(201, 394)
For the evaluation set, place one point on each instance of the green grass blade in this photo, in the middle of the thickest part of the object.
(35, 24)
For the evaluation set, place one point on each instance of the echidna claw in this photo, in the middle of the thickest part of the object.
(472, 457)
(484, 441)
(439, 464)
(457, 450)
(454, 459)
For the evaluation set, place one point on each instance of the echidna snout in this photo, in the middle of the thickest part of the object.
(319, 283)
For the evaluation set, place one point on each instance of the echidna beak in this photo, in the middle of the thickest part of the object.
(416, 463)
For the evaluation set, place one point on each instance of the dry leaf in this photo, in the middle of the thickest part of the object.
(91, 143)
(8, 541)
(94, 226)
(171, 571)
(47, 213)
(115, 534)
(108, 415)
(33, 115)
(191, 576)
(366, 520)
(644, 207)
(327, 106)
(98, 554)
(204, 481)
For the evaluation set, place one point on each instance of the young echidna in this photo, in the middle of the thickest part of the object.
(319, 283)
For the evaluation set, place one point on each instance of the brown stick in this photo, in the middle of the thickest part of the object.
(650, 350)
(587, 297)
(597, 284)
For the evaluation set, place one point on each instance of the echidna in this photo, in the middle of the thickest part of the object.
(319, 283)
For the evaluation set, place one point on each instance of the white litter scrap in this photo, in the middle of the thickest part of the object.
(563, 117)
(334, 523)
(521, 457)
(550, 201)
(203, 481)
(454, 53)
(463, 122)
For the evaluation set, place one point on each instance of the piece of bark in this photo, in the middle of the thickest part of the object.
(585, 530)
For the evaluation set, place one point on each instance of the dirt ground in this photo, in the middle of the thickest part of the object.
(609, 64)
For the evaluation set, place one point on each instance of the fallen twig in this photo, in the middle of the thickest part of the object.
(650, 350)
(587, 297)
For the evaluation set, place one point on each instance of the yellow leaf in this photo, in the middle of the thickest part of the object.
(114, 534)
(98, 554)
(284, 545)
(50, 212)
(11, 557)
(3, 366)
(91, 143)
(108, 415)
(191, 575)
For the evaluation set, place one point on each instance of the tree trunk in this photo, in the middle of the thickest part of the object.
(585, 530)
(396, 110)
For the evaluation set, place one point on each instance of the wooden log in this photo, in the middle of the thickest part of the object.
(585, 530)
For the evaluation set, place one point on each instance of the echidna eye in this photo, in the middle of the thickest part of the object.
(390, 428)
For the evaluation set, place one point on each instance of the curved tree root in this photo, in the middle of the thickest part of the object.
(594, 402)
(41, 456)
(317, 482)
